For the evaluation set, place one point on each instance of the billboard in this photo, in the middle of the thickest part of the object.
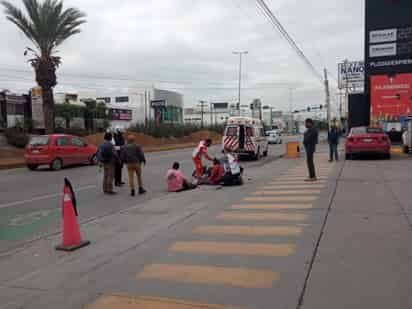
(120, 114)
(351, 74)
(37, 108)
(388, 36)
(391, 97)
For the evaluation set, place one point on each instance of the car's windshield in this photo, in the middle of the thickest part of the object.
(39, 141)
(364, 130)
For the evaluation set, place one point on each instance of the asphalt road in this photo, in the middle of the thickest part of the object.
(30, 202)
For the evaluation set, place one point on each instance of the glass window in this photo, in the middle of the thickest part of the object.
(62, 141)
(231, 131)
(249, 132)
(39, 141)
(122, 99)
(78, 142)
(105, 99)
(374, 130)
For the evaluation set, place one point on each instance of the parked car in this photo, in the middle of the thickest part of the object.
(274, 137)
(366, 140)
(246, 137)
(58, 150)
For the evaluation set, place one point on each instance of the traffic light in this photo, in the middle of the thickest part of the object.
(252, 106)
(308, 109)
(321, 107)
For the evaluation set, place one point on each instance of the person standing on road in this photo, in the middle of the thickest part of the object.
(118, 140)
(134, 157)
(333, 140)
(107, 157)
(200, 152)
(310, 140)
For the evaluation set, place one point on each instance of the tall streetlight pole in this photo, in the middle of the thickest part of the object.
(240, 53)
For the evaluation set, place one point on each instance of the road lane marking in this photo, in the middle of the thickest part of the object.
(297, 187)
(43, 197)
(294, 178)
(236, 277)
(232, 248)
(288, 193)
(249, 230)
(281, 199)
(292, 183)
(261, 216)
(273, 207)
(145, 302)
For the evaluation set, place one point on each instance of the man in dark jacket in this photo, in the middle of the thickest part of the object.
(118, 167)
(107, 157)
(134, 157)
(333, 140)
(309, 141)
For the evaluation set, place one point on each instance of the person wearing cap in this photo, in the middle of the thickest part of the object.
(134, 157)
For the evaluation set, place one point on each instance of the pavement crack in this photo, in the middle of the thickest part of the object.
(322, 231)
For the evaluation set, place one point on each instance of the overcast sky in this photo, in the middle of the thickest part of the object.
(187, 45)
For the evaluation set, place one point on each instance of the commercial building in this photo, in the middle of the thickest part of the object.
(212, 114)
(14, 109)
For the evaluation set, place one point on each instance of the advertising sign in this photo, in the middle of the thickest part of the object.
(220, 105)
(388, 37)
(37, 108)
(352, 73)
(158, 103)
(391, 97)
(121, 114)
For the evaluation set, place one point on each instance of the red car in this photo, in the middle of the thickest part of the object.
(58, 150)
(366, 140)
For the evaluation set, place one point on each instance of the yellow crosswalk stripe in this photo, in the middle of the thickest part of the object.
(297, 187)
(272, 207)
(249, 230)
(281, 199)
(293, 193)
(230, 248)
(296, 182)
(241, 216)
(145, 302)
(236, 277)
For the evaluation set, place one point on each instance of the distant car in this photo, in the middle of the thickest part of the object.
(366, 140)
(274, 137)
(58, 150)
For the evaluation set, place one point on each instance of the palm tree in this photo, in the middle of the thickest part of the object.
(47, 26)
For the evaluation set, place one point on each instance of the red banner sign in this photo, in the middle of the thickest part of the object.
(391, 97)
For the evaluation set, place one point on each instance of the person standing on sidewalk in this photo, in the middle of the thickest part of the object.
(107, 157)
(134, 157)
(118, 143)
(309, 141)
(333, 140)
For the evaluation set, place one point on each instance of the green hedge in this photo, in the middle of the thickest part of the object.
(16, 137)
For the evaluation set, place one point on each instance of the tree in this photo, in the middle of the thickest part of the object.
(47, 25)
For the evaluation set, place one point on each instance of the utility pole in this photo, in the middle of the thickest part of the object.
(291, 109)
(327, 97)
(202, 112)
(211, 113)
(145, 108)
(240, 53)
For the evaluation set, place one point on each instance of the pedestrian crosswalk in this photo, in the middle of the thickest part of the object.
(268, 223)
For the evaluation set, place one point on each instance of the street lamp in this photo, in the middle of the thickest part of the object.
(240, 53)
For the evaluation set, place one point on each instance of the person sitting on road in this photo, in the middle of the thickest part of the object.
(134, 157)
(198, 154)
(176, 181)
(217, 173)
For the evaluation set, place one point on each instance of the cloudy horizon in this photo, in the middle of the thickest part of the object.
(187, 46)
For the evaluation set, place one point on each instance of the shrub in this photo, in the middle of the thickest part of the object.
(16, 137)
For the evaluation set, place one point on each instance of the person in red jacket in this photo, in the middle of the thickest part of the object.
(199, 153)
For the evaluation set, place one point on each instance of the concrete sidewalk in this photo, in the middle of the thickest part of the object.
(364, 259)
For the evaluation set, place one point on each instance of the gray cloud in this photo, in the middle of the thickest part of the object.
(190, 43)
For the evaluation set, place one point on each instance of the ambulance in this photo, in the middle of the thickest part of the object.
(246, 137)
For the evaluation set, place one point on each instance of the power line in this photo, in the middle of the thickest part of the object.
(277, 24)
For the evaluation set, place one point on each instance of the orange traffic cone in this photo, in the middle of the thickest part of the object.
(71, 231)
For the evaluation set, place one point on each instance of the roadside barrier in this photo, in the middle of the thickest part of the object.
(292, 150)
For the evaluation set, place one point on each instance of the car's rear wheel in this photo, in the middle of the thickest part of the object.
(32, 167)
(56, 165)
(387, 156)
(94, 160)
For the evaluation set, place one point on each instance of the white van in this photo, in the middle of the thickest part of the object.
(246, 137)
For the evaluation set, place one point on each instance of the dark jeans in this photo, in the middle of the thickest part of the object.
(311, 164)
(333, 152)
(118, 171)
